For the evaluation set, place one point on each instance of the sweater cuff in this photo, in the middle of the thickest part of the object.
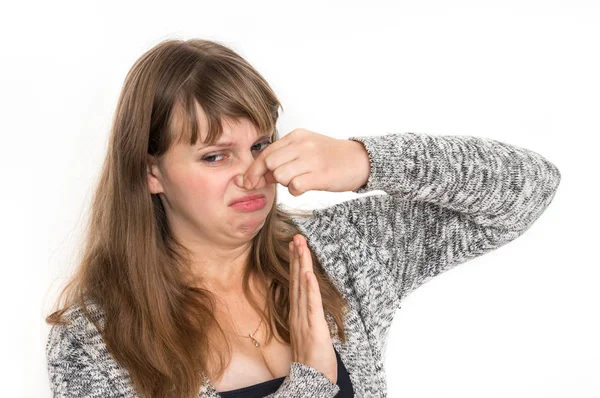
(366, 141)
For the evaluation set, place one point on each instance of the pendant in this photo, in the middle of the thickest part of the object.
(256, 343)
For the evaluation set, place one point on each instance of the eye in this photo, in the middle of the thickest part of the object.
(265, 142)
(207, 159)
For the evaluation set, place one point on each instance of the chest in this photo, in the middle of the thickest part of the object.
(248, 364)
(251, 365)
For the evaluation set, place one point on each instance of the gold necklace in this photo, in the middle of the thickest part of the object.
(256, 343)
(251, 335)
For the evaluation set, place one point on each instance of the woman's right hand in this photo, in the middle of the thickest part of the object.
(309, 333)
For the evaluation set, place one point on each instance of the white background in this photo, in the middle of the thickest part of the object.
(521, 321)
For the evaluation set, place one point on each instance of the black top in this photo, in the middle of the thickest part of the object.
(260, 390)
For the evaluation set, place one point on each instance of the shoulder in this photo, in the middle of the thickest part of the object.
(79, 335)
(78, 361)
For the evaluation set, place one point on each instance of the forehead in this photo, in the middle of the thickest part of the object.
(233, 130)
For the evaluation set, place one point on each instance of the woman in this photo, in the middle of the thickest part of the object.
(184, 291)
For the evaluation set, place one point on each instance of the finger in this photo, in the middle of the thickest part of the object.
(267, 163)
(304, 265)
(293, 283)
(259, 167)
(315, 304)
(313, 300)
(293, 309)
(288, 167)
(302, 183)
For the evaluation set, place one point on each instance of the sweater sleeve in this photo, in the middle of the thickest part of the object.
(71, 370)
(305, 382)
(450, 199)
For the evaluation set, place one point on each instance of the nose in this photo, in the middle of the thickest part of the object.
(245, 164)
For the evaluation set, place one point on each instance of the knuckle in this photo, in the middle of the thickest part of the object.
(277, 175)
(295, 184)
(268, 161)
(298, 131)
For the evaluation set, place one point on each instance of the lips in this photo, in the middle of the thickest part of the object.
(245, 198)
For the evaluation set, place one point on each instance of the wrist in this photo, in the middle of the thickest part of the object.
(362, 162)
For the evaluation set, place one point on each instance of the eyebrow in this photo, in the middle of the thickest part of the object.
(230, 144)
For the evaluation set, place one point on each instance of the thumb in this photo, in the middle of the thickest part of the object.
(267, 177)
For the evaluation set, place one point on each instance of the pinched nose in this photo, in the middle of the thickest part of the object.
(239, 180)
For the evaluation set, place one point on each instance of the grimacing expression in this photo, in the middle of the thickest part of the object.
(197, 183)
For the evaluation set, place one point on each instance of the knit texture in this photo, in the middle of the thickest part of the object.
(448, 199)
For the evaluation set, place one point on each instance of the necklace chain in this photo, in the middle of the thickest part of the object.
(251, 335)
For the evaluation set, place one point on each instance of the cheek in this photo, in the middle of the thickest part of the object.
(195, 190)
(205, 188)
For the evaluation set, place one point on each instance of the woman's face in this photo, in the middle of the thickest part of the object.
(197, 184)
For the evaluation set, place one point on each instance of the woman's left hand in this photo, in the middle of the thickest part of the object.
(304, 161)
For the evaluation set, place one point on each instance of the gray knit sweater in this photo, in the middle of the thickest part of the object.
(449, 199)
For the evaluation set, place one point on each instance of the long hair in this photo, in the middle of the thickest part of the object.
(157, 324)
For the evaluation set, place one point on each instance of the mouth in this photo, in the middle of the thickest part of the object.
(246, 198)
